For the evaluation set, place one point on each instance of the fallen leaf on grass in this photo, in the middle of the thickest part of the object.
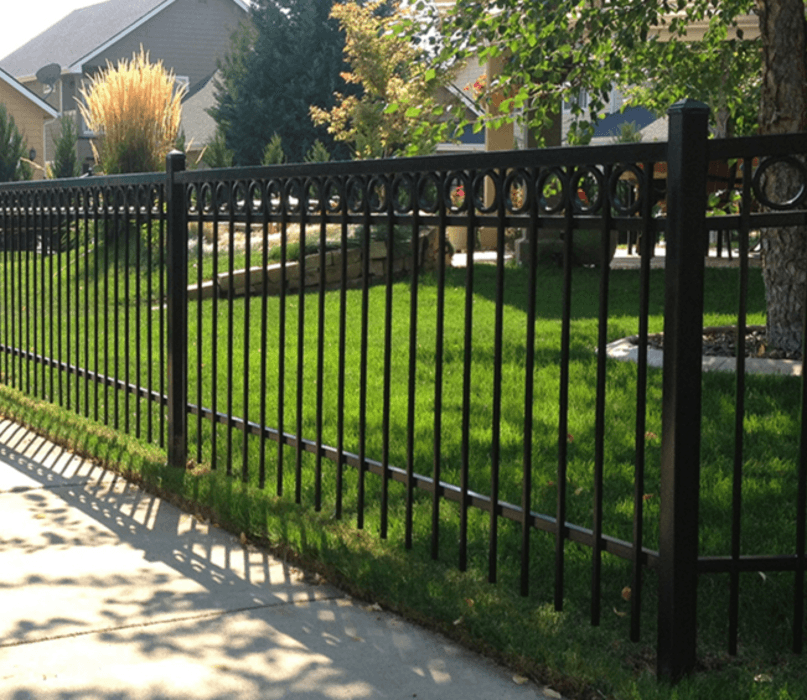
(458, 621)
(763, 678)
(626, 593)
(621, 614)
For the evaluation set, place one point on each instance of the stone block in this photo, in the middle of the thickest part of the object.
(208, 290)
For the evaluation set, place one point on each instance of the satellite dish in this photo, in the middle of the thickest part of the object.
(48, 75)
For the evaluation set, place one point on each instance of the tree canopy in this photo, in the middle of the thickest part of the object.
(553, 50)
(288, 57)
(396, 110)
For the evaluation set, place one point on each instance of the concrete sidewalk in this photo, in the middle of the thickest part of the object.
(108, 592)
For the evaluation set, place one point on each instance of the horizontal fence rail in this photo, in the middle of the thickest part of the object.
(300, 327)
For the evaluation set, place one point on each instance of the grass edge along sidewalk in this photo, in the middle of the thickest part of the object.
(557, 649)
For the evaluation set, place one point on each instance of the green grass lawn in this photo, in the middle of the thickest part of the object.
(557, 647)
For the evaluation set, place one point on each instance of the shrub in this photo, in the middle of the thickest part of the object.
(135, 110)
(12, 148)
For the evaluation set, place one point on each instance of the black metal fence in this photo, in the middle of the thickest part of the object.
(312, 307)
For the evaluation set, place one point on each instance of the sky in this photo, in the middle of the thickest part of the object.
(24, 19)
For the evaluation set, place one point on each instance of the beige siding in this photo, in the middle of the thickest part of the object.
(188, 37)
(29, 119)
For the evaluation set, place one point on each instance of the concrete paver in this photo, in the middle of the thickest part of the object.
(109, 592)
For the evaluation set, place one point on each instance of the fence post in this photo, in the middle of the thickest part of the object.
(177, 308)
(681, 403)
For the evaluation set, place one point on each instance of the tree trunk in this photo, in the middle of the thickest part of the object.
(783, 109)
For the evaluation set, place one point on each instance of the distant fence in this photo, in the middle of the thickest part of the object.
(97, 318)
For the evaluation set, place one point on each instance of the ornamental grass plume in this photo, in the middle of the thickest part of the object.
(134, 109)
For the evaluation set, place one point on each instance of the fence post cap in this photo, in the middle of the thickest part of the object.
(175, 160)
(688, 105)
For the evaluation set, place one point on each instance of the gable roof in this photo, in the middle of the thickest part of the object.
(28, 94)
(82, 34)
(197, 124)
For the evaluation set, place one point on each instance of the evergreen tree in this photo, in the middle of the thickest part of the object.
(288, 59)
(216, 154)
(12, 148)
(274, 154)
(65, 160)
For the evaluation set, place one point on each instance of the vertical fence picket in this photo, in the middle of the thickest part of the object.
(200, 325)
(500, 201)
(150, 300)
(214, 331)
(320, 392)
(529, 392)
(340, 379)
(265, 208)
(281, 344)
(739, 411)
(599, 409)
(86, 329)
(385, 399)
(230, 323)
(177, 370)
(646, 195)
(6, 320)
(96, 315)
(365, 312)
(248, 207)
(42, 339)
(438, 368)
(77, 299)
(106, 306)
(412, 369)
(129, 236)
(465, 450)
(298, 456)
(563, 398)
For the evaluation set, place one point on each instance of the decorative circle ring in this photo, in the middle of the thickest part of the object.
(796, 199)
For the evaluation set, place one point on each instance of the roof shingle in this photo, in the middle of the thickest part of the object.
(77, 35)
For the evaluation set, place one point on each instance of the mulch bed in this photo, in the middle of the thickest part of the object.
(721, 341)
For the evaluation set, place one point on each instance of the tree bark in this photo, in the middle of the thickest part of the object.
(783, 109)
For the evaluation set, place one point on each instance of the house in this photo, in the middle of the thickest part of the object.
(31, 116)
(188, 36)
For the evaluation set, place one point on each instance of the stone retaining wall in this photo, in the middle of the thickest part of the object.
(236, 285)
